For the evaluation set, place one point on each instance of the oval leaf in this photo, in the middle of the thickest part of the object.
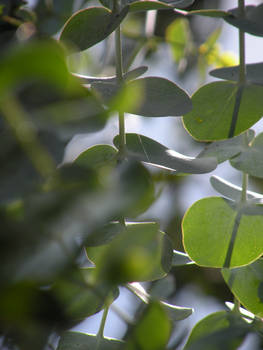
(90, 26)
(149, 151)
(250, 159)
(160, 98)
(231, 191)
(246, 283)
(218, 233)
(219, 330)
(97, 156)
(254, 73)
(206, 13)
(229, 110)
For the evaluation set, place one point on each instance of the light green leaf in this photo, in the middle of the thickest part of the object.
(219, 233)
(254, 73)
(175, 313)
(82, 341)
(97, 156)
(90, 26)
(226, 149)
(140, 252)
(148, 5)
(152, 331)
(229, 110)
(160, 98)
(250, 160)
(219, 330)
(246, 283)
(231, 191)
(251, 23)
(149, 151)
(132, 74)
(181, 259)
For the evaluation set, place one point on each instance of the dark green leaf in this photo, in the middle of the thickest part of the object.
(220, 233)
(254, 73)
(231, 191)
(82, 341)
(160, 98)
(140, 252)
(147, 5)
(219, 330)
(251, 22)
(181, 259)
(152, 331)
(90, 26)
(223, 150)
(246, 283)
(175, 313)
(250, 159)
(229, 110)
(104, 235)
(149, 151)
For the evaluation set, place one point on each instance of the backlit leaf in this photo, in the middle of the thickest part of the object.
(220, 233)
(229, 110)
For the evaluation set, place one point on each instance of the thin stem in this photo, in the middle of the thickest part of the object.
(102, 325)
(236, 305)
(244, 187)
(242, 64)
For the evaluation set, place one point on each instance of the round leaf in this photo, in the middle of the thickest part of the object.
(250, 159)
(229, 110)
(246, 283)
(149, 151)
(218, 233)
(90, 26)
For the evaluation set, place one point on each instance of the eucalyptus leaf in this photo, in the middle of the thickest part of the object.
(231, 191)
(90, 26)
(254, 73)
(250, 159)
(175, 313)
(149, 151)
(83, 341)
(132, 74)
(251, 22)
(97, 156)
(228, 232)
(246, 283)
(207, 13)
(219, 330)
(229, 110)
(141, 252)
(152, 332)
(148, 5)
(160, 98)
(227, 149)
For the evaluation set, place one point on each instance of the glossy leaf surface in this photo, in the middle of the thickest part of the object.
(246, 283)
(250, 159)
(141, 252)
(226, 149)
(218, 233)
(219, 330)
(149, 151)
(252, 23)
(229, 110)
(254, 73)
(231, 191)
(152, 331)
(90, 26)
(83, 341)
